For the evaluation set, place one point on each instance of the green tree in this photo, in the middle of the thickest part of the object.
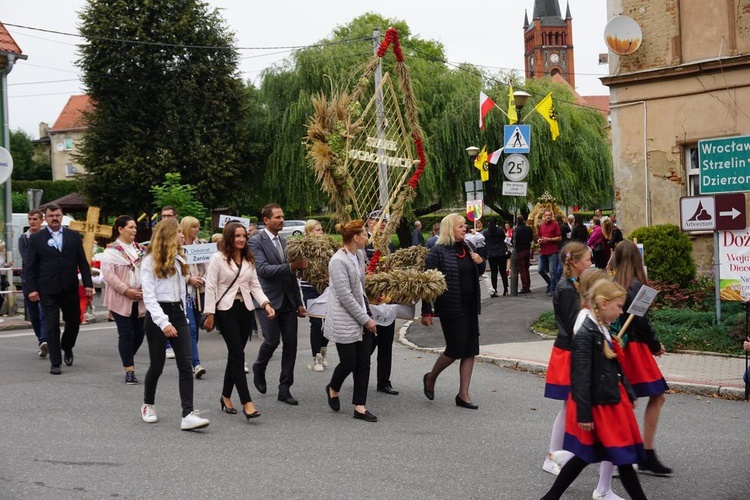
(577, 168)
(170, 103)
(183, 197)
(29, 162)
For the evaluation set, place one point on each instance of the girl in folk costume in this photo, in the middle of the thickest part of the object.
(640, 366)
(566, 302)
(121, 269)
(600, 422)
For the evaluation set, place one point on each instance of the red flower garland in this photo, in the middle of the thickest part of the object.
(391, 38)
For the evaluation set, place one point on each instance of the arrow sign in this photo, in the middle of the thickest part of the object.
(731, 210)
(734, 213)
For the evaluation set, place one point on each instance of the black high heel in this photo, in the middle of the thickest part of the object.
(248, 416)
(465, 404)
(228, 409)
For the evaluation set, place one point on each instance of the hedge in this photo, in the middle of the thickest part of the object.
(52, 189)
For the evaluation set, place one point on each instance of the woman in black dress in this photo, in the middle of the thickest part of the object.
(458, 308)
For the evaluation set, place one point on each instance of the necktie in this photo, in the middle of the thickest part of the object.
(56, 237)
(279, 250)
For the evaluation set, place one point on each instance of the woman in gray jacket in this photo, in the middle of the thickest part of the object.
(348, 322)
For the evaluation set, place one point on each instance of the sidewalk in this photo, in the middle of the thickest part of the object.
(506, 339)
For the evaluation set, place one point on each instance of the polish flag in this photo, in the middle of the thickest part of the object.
(485, 105)
(495, 156)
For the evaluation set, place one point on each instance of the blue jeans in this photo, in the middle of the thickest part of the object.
(193, 316)
(548, 269)
(34, 311)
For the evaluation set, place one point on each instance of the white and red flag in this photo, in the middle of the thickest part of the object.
(485, 105)
(495, 156)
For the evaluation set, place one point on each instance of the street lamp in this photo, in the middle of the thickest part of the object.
(520, 97)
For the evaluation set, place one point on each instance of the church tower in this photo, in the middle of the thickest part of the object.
(548, 42)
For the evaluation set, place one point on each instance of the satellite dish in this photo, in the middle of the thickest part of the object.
(623, 35)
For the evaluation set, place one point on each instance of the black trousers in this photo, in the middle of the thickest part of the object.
(355, 359)
(384, 343)
(236, 326)
(498, 264)
(283, 328)
(183, 353)
(71, 312)
(130, 335)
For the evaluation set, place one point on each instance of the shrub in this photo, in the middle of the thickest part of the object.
(684, 329)
(668, 253)
(545, 323)
(694, 296)
(52, 189)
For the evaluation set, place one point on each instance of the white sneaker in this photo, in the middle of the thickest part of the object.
(199, 371)
(247, 370)
(551, 466)
(318, 366)
(43, 350)
(324, 355)
(170, 353)
(193, 421)
(610, 495)
(148, 414)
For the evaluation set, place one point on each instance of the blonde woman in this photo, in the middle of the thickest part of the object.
(163, 275)
(121, 268)
(195, 290)
(458, 308)
(318, 342)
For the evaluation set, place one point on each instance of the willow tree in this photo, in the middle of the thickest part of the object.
(576, 168)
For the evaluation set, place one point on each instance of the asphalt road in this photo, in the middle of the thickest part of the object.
(79, 435)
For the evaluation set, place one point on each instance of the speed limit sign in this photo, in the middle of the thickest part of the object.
(516, 167)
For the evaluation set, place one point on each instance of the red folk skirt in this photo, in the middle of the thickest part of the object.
(615, 437)
(557, 383)
(641, 370)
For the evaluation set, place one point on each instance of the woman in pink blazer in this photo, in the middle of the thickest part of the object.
(121, 269)
(232, 289)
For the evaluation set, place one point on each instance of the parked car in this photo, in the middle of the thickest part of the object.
(293, 228)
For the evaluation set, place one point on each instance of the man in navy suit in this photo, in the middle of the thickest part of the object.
(279, 282)
(55, 256)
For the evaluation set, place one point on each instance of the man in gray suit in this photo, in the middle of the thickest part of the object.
(279, 283)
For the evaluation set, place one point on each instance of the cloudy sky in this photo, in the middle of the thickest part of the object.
(481, 32)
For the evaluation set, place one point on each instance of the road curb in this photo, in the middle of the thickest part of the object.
(732, 393)
(15, 323)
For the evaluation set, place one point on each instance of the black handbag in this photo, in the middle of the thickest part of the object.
(204, 316)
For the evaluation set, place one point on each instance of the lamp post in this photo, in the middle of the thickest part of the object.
(520, 97)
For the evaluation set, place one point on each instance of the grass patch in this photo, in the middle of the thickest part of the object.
(684, 329)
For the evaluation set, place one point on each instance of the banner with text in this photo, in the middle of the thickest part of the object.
(199, 253)
(734, 269)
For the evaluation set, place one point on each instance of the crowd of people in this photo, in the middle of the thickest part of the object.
(153, 293)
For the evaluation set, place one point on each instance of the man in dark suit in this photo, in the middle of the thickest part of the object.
(279, 283)
(55, 255)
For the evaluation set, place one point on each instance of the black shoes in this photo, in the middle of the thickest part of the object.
(430, 394)
(463, 404)
(248, 416)
(68, 357)
(333, 402)
(366, 416)
(55, 370)
(287, 398)
(494, 294)
(230, 410)
(130, 378)
(653, 466)
(388, 389)
(259, 379)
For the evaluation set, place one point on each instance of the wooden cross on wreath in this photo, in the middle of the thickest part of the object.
(91, 229)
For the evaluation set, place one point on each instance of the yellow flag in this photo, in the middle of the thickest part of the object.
(547, 110)
(481, 164)
(512, 113)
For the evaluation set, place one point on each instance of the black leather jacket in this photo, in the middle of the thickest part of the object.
(594, 378)
(567, 304)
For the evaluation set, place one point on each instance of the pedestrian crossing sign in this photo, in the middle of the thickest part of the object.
(517, 139)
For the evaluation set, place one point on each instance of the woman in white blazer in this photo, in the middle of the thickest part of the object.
(348, 322)
(231, 286)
